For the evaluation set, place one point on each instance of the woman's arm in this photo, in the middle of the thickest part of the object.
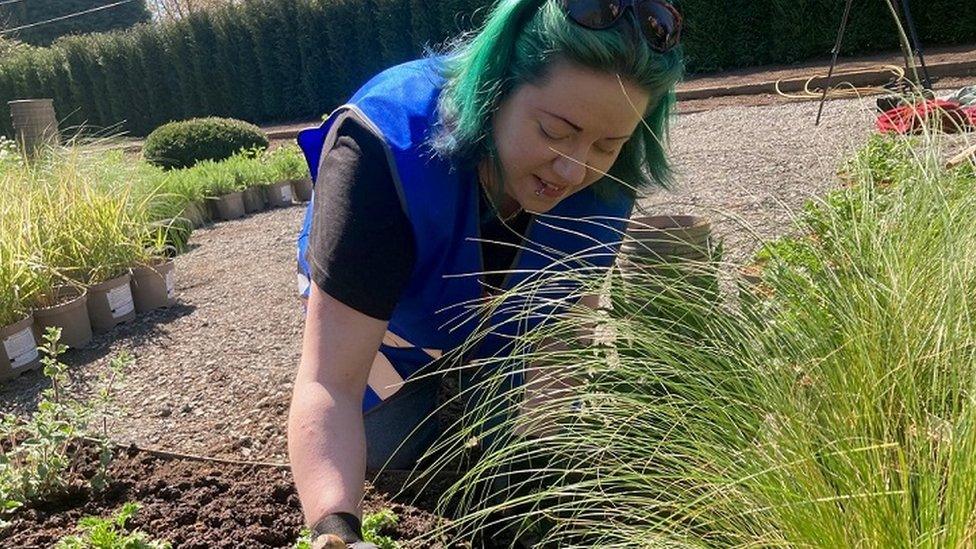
(326, 441)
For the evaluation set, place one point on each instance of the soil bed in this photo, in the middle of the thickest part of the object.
(198, 504)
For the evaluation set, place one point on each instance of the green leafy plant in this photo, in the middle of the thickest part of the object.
(40, 450)
(304, 540)
(374, 524)
(184, 143)
(286, 163)
(109, 533)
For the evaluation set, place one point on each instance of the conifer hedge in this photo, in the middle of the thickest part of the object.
(276, 60)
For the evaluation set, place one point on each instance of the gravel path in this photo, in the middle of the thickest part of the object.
(747, 168)
(213, 375)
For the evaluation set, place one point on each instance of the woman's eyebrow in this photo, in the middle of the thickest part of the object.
(577, 127)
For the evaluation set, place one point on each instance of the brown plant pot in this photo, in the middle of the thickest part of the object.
(35, 123)
(253, 199)
(280, 195)
(303, 189)
(195, 213)
(231, 206)
(18, 348)
(667, 239)
(154, 286)
(110, 303)
(70, 313)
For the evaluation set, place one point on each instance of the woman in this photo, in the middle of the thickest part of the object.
(506, 154)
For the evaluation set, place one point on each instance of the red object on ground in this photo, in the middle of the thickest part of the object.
(913, 118)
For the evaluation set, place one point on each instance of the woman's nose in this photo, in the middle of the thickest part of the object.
(571, 170)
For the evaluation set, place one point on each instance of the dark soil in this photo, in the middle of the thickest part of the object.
(198, 504)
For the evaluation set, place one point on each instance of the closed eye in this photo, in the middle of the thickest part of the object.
(549, 135)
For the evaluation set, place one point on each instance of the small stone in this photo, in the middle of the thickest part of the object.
(166, 411)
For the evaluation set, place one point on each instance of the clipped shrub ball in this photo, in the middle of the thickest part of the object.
(183, 143)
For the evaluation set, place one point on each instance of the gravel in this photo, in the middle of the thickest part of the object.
(213, 375)
(749, 169)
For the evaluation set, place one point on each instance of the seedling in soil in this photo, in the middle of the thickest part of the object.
(375, 523)
(109, 533)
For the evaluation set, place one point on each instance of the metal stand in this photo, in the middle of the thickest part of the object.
(914, 43)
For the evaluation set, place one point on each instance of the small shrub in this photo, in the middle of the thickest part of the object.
(109, 533)
(39, 455)
(184, 143)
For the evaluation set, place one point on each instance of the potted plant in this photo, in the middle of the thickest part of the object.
(18, 346)
(290, 172)
(65, 307)
(154, 275)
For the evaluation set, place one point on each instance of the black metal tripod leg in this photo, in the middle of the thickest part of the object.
(916, 43)
(833, 61)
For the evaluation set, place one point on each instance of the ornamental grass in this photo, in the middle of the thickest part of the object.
(72, 216)
(833, 405)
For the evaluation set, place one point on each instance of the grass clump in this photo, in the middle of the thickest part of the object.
(842, 415)
(286, 163)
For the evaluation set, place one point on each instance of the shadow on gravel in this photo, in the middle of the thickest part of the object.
(20, 394)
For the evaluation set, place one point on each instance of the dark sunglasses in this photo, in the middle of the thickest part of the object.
(659, 21)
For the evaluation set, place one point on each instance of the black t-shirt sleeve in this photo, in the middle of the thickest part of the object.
(361, 246)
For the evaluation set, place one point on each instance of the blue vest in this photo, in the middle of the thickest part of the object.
(435, 312)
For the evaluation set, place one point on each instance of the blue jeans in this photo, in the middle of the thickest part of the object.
(401, 428)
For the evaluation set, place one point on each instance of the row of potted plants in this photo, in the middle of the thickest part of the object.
(245, 183)
(88, 235)
(80, 248)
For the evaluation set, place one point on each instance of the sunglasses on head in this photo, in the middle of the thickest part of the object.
(659, 21)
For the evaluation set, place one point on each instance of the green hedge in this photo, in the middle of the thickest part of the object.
(276, 60)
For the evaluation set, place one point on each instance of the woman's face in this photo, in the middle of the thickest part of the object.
(555, 138)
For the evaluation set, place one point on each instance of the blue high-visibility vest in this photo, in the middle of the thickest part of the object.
(434, 314)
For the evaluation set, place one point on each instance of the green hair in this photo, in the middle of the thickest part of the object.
(517, 44)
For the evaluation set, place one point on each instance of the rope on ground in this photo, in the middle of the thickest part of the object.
(844, 91)
(168, 453)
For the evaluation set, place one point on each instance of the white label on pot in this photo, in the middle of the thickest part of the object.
(21, 348)
(286, 193)
(120, 301)
(170, 285)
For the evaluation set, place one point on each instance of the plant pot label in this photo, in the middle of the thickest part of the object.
(286, 193)
(170, 285)
(120, 301)
(21, 348)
